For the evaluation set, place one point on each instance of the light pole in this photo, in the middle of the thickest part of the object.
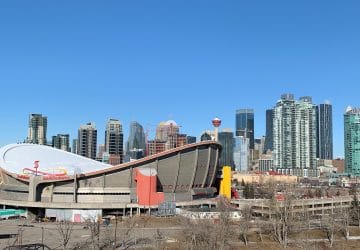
(36, 166)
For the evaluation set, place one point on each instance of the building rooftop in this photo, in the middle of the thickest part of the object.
(351, 110)
(20, 159)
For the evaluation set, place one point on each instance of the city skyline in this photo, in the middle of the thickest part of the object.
(133, 61)
(152, 131)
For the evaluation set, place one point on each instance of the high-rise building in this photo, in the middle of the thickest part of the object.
(168, 132)
(156, 146)
(256, 153)
(74, 148)
(245, 125)
(269, 130)
(100, 151)
(207, 136)
(241, 153)
(114, 139)
(190, 139)
(259, 146)
(226, 139)
(305, 123)
(266, 165)
(324, 132)
(295, 136)
(164, 129)
(135, 154)
(283, 133)
(136, 140)
(181, 140)
(61, 141)
(87, 140)
(352, 141)
(111, 159)
(37, 129)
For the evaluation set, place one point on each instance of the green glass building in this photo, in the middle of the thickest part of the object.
(352, 141)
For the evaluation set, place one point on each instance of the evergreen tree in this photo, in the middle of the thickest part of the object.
(251, 192)
(355, 210)
(310, 194)
(246, 191)
(242, 182)
(318, 193)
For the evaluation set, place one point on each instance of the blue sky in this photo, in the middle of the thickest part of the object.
(80, 61)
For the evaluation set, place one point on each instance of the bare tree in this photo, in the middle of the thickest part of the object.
(319, 192)
(261, 227)
(65, 229)
(107, 238)
(302, 226)
(355, 210)
(282, 217)
(223, 228)
(128, 226)
(345, 222)
(245, 224)
(159, 237)
(199, 234)
(331, 224)
(310, 193)
(267, 190)
(329, 227)
(93, 224)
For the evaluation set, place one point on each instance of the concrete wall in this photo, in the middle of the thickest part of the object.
(73, 215)
(261, 179)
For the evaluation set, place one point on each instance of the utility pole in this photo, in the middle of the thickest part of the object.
(114, 247)
(42, 236)
(98, 231)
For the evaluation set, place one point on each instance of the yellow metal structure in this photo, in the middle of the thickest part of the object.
(225, 184)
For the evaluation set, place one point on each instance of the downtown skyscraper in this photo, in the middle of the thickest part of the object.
(168, 132)
(136, 145)
(241, 153)
(245, 125)
(114, 141)
(61, 141)
(324, 132)
(87, 140)
(74, 148)
(294, 136)
(352, 141)
(226, 139)
(37, 129)
(269, 139)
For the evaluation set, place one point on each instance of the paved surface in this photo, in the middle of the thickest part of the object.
(49, 235)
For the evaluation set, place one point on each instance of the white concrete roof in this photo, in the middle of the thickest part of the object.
(15, 157)
(148, 171)
(171, 122)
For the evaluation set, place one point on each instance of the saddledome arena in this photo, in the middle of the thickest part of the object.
(39, 177)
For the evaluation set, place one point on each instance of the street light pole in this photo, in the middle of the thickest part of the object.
(114, 247)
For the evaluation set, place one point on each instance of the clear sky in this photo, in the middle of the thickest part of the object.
(150, 61)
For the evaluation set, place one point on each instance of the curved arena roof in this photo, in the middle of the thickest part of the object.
(183, 173)
(17, 158)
